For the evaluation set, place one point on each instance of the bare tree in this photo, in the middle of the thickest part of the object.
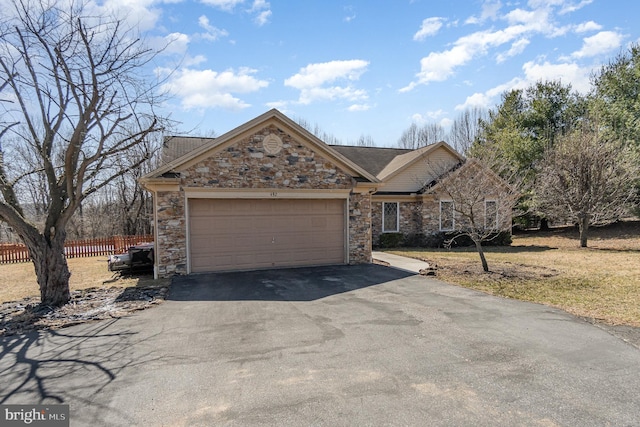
(415, 137)
(474, 202)
(75, 98)
(365, 141)
(410, 138)
(587, 178)
(123, 207)
(326, 137)
(466, 128)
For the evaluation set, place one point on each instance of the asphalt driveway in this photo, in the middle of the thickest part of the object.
(350, 345)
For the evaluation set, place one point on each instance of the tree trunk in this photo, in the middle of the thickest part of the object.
(583, 225)
(485, 266)
(544, 224)
(52, 271)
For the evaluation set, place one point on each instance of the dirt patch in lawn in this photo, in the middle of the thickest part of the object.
(86, 305)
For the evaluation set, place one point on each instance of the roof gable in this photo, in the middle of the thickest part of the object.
(404, 161)
(270, 117)
(404, 170)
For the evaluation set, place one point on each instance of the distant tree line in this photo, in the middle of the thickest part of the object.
(463, 131)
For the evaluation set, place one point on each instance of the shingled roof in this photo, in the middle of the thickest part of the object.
(371, 159)
(386, 162)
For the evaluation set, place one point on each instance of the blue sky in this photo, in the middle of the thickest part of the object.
(370, 67)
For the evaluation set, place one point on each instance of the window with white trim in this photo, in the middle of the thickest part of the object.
(447, 218)
(390, 217)
(491, 214)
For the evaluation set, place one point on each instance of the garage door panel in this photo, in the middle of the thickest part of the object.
(250, 234)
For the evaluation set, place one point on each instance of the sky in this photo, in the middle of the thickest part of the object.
(368, 67)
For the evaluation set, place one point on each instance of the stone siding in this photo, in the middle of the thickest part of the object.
(247, 165)
(410, 220)
(430, 216)
(171, 234)
(359, 228)
(376, 222)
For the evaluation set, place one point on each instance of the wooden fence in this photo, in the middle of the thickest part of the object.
(12, 253)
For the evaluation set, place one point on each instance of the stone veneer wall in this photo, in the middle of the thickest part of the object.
(410, 219)
(171, 233)
(245, 164)
(376, 222)
(359, 228)
(430, 216)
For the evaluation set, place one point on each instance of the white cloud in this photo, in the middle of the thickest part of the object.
(517, 48)
(603, 42)
(476, 100)
(430, 26)
(572, 7)
(446, 123)
(259, 5)
(533, 21)
(359, 107)
(489, 98)
(522, 25)
(226, 5)
(313, 81)
(263, 10)
(490, 10)
(326, 72)
(439, 66)
(351, 14)
(587, 26)
(193, 60)
(262, 18)
(428, 117)
(566, 72)
(544, 3)
(171, 44)
(212, 33)
(277, 104)
(418, 119)
(313, 94)
(142, 15)
(212, 89)
(435, 114)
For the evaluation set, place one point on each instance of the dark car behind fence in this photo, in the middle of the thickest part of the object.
(12, 253)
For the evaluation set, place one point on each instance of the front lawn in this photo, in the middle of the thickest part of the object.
(18, 281)
(601, 282)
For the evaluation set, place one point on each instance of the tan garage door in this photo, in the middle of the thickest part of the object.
(264, 233)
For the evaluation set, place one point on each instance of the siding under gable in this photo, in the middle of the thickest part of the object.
(421, 172)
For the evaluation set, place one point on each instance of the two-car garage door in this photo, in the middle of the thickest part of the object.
(242, 234)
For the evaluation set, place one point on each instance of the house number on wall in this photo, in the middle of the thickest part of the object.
(274, 194)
